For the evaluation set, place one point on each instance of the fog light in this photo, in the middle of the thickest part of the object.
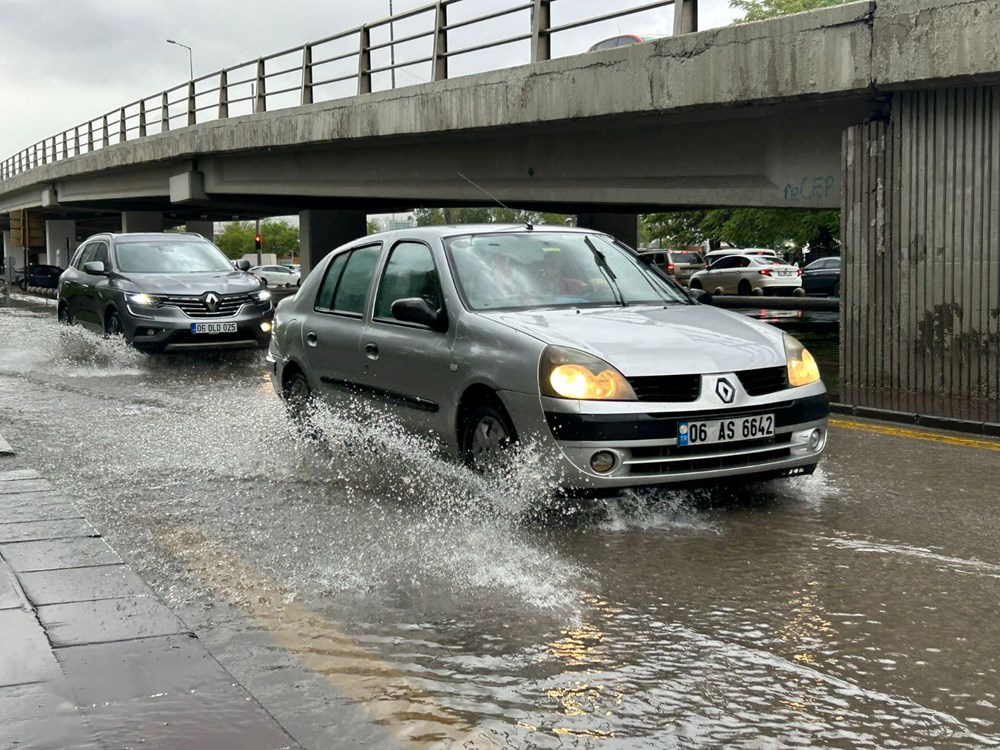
(150, 331)
(815, 440)
(265, 327)
(602, 462)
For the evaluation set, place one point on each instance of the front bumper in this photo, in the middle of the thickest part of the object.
(170, 328)
(643, 439)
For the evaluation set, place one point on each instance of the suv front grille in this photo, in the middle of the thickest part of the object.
(764, 381)
(666, 387)
(194, 307)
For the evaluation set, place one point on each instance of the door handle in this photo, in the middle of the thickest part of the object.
(312, 339)
(371, 351)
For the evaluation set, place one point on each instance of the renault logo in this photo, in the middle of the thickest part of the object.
(212, 301)
(724, 390)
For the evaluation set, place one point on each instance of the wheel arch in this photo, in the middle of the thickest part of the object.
(474, 394)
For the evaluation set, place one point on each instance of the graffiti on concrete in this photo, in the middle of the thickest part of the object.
(810, 189)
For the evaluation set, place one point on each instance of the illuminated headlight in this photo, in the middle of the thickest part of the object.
(263, 295)
(145, 300)
(568, 373)
(802, 368)
(265, 327)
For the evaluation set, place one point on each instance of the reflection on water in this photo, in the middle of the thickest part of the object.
(418, 589)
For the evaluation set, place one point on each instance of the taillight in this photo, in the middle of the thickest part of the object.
(670, 267)
(764, 272)
(800, 272)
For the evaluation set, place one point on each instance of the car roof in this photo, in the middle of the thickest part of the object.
(453, 230)
(145, 235)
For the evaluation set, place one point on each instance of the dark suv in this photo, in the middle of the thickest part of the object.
(164, 291)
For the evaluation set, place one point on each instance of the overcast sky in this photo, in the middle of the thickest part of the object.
(65, 61)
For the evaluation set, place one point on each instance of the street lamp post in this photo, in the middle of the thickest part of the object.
(190, 57)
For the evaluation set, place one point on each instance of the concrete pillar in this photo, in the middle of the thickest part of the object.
(920, 298)
(9, 257)
(205, 228)
(321, 231)
(60, 241)
(142, 221)
(624, 227)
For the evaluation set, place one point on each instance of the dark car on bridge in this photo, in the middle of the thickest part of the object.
(822, 277)
(164, 291)
(623, 40)
(43, 276)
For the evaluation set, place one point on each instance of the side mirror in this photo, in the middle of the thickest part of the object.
(416, 310)
(700, 296)
(242, 265)
(95, 268)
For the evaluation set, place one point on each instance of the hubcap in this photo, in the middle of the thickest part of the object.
(488, 441)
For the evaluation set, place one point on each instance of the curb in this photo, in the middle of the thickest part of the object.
(969, 426)
(5, 449)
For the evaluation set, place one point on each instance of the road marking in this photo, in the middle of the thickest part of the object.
(932, 437)
(408, 713)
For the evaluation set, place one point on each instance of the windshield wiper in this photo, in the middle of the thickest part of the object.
(602, 263)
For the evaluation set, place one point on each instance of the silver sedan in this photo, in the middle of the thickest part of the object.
(562, 339)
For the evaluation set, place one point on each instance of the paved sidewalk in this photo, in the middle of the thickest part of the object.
(90, 658)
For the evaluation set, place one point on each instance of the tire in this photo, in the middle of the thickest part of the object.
(113, 325)
(486, 437)
(835, 291)
(743, 288)
(63, 315)
(800, 292)
(695, 284)
(299, 401)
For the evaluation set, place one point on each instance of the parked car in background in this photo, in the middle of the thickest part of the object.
(822, 277)
(624, 40)
(749, 274)
(680, 264)
(297, 267)
(164, 291)
(713, 255)
(486, 336)
(276, 275)
(39, 275)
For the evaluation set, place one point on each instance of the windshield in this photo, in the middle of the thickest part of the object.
(550, 269)
(170, 256)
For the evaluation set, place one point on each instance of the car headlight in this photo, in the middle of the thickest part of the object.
(146, 300)
(569, 373)
(263, 295)
(802, 368)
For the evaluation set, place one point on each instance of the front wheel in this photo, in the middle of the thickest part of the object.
(836, 289)
(299, 401)
(113, 326)
(487, 437)
(63, 315)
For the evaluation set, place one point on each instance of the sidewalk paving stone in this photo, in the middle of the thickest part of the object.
(7, 476)
(32, 660)
(18, 486)
(36, 506)
(108, 620)
(52, 554)
(9, 596)
(39, 717)
(34, 531)
(82, 585)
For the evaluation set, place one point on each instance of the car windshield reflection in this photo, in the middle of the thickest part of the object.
(170, 257)
(525, 270)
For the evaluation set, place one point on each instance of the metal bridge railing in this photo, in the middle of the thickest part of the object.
(433, 37)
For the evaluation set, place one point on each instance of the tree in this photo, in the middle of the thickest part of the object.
(479, 215)
(746, 227)
(758, 10)
(279, 237)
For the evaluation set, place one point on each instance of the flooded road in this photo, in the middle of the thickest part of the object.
(371, 595)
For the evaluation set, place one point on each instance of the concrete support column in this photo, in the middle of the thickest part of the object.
(60, 241)
(9, 256)
(142, 221)
(624, 227)
(321, 231)
(920, 298)
(205, 228)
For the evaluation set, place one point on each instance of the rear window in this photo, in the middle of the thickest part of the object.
(687, 257)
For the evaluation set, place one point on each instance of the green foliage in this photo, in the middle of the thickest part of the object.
(493, 215)
(745, 227)
(373, 227)
(279, 237)
(758, 10)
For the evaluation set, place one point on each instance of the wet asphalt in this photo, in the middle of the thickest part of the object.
(369, 594)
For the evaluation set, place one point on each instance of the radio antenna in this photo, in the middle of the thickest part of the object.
(492, 197)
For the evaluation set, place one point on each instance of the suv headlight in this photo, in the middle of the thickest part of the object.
(263, 295)
(568, 373)
(145, 300)
(802, 368)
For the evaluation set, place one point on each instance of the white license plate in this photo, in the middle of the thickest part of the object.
(213, 328)
(725, 430)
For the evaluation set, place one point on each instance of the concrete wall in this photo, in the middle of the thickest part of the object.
(921, 276)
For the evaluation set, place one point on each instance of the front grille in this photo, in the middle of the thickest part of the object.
(667, 387)
(194, 307)
(764, 381)
(699, 457)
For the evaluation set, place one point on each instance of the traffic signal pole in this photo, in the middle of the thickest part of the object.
(258, 242)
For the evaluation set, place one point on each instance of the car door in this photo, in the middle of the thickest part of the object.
(332, 331)
(407, 365)
(81, 295)
(720, 275)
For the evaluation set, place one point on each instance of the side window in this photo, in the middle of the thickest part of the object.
(345, 286)
(410, 272)
(723, 263)
(77, 260)
(87, 255)
(744, 262)
(101, 254)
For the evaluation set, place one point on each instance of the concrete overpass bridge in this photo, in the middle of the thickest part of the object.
(889, 110)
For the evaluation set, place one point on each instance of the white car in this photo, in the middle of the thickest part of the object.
(276, 275)
(749, 274)
(713, 255)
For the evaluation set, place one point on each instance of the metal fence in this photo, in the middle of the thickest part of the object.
(433, 38)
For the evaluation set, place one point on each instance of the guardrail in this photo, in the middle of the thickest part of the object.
(331, 68)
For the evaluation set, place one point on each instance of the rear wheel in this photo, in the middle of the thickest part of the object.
(836, 289)
(744, 289)
(487, 436)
